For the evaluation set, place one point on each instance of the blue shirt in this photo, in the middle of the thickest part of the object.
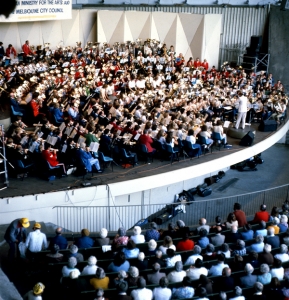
(85, 242)
(152, 234)
(113, 268)
(59, 240)
(131, 253)
(262, 232)
(183, 293)
(247, 235)
(203, 242)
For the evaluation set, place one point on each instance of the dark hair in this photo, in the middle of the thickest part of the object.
(187, 281)
(203, 232)
(131, 245)
(277, 263)
(119, 259)
(231, 217)
(198, 263)
(275, 283)
(262, 207)
(237, 206)
(170, 252)
(141, 282)
(122, 286)
(201, 291)
(221, 257)
(164, 282)
(247, 227)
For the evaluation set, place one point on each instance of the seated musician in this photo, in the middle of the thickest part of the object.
(219, 129)
(50, 155)
(279, 111)
(192, 139)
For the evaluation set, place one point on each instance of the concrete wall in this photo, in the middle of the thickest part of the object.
(279, 45)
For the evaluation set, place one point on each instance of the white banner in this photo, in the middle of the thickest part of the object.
(40, 10)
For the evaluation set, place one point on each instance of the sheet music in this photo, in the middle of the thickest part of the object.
(68, 130)
(51, 140)
(32, 147)
(109, 126)
(137, 136)
(64, 148)
(62, 126)
(94, 146)
(81, 139)
(24, 140)
(226, 124)
(73, 133)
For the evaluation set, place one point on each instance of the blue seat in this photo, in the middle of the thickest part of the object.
(204, 142)
(216, 136)
(145, 152)
(172, 152)
(190, 149)
(127, 158)
(50, 171)
(182, 149)
(21, 168)
(105, 159)
(15, 113)
(160, 149)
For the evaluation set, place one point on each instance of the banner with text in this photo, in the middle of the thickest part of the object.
(40, 10)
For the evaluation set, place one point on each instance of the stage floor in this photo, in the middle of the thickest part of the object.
(34, 185)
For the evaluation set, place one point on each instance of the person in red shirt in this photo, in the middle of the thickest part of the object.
(185, 244)
(205, 64)
(51, 157)
(197, 63)
(240, 215)
(10, 50)
(146, 140)
(26, 49)
(261, 215)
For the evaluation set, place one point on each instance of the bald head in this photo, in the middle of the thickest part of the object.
(58, 230)
(226, 272)
(202, 221)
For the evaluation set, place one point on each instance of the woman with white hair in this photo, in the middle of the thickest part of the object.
(283, 223)
(238, 294)
(152, 248)
(258, 246)
(91, 267)
(66, 270)
(196, 254)
(249, 280)
(283, 256)
(137, 237)
(103, 240)
(265, 277)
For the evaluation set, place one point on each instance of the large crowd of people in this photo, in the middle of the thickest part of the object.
(106, 98)
(209, 261)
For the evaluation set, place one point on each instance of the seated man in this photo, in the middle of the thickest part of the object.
(82, 154)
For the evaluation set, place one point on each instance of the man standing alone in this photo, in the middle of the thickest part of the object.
(242, 110)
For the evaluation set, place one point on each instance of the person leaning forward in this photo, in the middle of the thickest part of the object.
(16, 233)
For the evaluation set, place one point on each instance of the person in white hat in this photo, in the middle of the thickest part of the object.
(16, 233)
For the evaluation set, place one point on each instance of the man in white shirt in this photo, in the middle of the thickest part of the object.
(242, 110)
(142, 293)
(36, 240)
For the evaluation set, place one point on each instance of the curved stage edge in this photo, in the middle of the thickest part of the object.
(154, 189)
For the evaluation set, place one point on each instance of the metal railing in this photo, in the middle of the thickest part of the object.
(75, 218)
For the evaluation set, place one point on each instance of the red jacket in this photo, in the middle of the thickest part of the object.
(261, 216)
(9, 51)
(146, 140)
(35, 107)
(26, 50)
(241, 217)
(51, 157)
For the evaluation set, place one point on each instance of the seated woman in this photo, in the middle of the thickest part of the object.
(119, 263)
(170, 140)
(204, 133)
(131, 251)
(218, 128)
(100, 281)
(54, 256)
(91, 267)
(161, 136)
(137, 237)
(167, 244)
(66, 270)
(192, 139)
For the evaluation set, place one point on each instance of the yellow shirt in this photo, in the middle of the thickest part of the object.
(99, 283)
